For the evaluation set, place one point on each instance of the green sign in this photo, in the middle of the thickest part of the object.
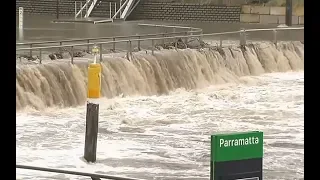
(236, 146)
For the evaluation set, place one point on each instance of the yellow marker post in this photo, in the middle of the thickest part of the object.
(94, 80)
(92, 119)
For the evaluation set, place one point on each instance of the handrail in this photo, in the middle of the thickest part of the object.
(92, 175)
(134, 6)
(119, 10)
(92, 39)
(93, 4)
(174, 37)
(86, 4)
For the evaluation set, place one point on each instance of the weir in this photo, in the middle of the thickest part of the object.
(64, 84)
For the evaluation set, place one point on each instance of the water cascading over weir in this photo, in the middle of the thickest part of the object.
(64, 84)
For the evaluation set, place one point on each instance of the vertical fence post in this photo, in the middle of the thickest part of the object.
(75, 9)
(30, 50)
(110, 10)
(152, 46)
(275, 36)
(40, 56)
(163, 36)
(80, 8)
(114, 43)
(88, 46)
(71, 54)
(120, 9)
(175, 43)
(128, 50)
(242, 37)
(186, 38)
(139, 48)
(115, 9)
(201, 35)
(100, 47)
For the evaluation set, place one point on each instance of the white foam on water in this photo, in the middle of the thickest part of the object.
(168, 136)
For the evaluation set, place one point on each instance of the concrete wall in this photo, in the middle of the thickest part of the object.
(185, 12)
(268, 15)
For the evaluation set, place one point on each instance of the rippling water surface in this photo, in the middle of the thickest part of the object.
(168, 137)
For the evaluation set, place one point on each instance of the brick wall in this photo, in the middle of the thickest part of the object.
(212, 2)
(66, 7)
(185, 12)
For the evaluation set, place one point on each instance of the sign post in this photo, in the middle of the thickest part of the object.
(236, 156)
(20, 18)
(21, 23)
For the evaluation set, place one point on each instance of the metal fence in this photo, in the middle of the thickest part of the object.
(92, 175)
(61, 43)
(242, 34)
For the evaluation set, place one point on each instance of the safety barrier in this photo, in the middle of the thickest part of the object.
(92, 175)
(242, 33)
(191, 30)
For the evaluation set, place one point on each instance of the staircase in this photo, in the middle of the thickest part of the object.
(102, 8)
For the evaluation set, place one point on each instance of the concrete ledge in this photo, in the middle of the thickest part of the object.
(249, 18)
(301, 20)
(260, 10)
(268, 19)
(277, 11)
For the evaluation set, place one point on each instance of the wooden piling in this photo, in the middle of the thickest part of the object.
(92, 117)
(92, 120)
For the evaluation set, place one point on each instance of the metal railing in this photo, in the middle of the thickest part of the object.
(113, 38)
(242, 34)
(92, 175)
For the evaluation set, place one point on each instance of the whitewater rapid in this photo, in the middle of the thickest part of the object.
(168, 137)
(158, 112)
(63, 84)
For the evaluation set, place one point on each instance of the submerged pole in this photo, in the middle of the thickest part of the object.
(92, 114)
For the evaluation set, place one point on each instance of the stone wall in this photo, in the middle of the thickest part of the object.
(185, 12)
(268, 15)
